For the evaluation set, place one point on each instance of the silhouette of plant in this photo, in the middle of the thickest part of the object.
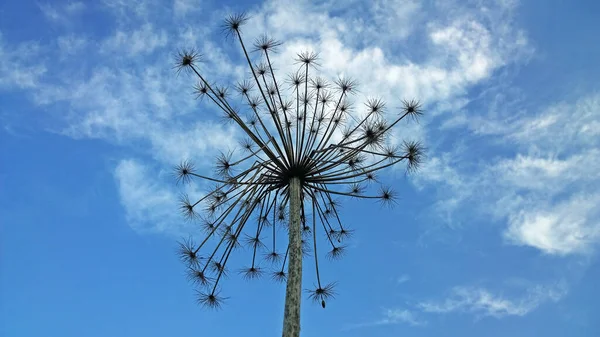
(303, 147)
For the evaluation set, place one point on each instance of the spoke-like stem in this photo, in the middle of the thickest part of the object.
(288, 133)
(262, 92)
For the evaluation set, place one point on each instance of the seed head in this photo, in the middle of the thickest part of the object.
(198, 277)
(266, 44)
(188, 253)
(321, 294)
(279, 276)
(387, 196)
(187, 208)
(186, 59)
(308, 58)
(251, 273)
(412, 108)
(210, 300)
(414, 153)
(233, 23)
(273, 257)
(183, 171)
(336, 253)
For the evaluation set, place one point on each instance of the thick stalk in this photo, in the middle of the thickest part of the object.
(293, 293)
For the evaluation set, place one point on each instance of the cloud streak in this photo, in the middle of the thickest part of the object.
(148, 204)
(482, 303)
(394, 316)
(545, 193)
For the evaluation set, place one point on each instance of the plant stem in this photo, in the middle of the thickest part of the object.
(293, 293)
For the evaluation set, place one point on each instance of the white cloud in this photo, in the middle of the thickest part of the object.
(61, 13)
(50, 12)
(394, 316)
(378, 22)
(468, 44)
(74, 7)
(403, 279)
(17, 67)
(482, 302)
(142, 104)
(70, 44)
(398, 17)
(126, 8)
(563, 126)
(462, 51)
(183, 7)
(546, 172)
(138, 107)
(545, 193)
(150, 206)
(143, 40)
(198, 140)
(557, 128)
(569, 227)
(438, 79)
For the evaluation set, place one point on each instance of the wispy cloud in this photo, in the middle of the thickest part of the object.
(184, 7)
(572, 226)
(70, 44)
(50, 12)
(403, 278)
(150, 201)
(462, 51)
(17, 67)
(473, 300)
(481, 302)
(61, 14)
(125, 9)
(143, 40)
(137, 106)
(545, 192)
(146, 201)
(394, 316)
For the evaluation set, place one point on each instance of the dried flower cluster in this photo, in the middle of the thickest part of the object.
(304, 130)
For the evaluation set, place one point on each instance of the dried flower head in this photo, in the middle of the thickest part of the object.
(279, 276)
(251, 273)
(233, 23)
(188, 253)
(186, 59)
(321, 294)
(211, 299)
(197, 276)
(266, 44)
(303, 148)
(184, 171)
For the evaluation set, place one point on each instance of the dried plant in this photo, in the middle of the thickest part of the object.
(304, 146)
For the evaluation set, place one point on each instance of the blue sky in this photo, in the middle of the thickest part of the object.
(497, 235)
